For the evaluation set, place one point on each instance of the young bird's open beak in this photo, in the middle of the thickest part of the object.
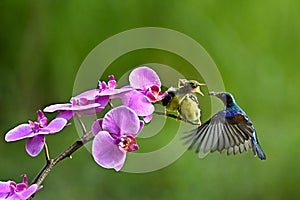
(197, 89)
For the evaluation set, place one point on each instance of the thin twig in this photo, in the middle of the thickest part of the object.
(81, 124)
(65, 154)
(47, 155)
(110, 104)
(75, 146)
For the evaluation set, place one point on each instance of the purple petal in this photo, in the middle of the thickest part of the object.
(25, 179)
(112, 82)
(40, 115)
(117, 168)
(83, 110)
(20, 132)
(106, 153)
(89, 95)
(89, 111)
(35, 145)
(143, 77)
(26, 193)
(68, 114)
(102, 100)
(97, 126)
(41, 118)
(57, 107)
(110, 92)
(148, 118)
(21, 186)
(121, 120)
(55, 125)
(142, 124)
(138, 102)
(150, 96)
(5, 188)
(85, 107)
(102, 85)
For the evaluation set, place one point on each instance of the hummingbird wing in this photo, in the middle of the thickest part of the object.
(226, 131)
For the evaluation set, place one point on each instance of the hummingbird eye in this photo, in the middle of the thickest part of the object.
(228, 99)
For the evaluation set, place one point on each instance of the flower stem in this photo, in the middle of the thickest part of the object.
(46, 152)
(65, 154)
(81, 124)
(50, 163)
(110, 104)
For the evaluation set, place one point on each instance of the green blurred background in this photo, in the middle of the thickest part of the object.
(255, 45)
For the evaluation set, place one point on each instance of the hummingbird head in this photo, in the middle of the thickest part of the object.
(226, 97)
(191, 86)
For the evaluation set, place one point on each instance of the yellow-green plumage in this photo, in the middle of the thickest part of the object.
(189, 108)
(183, 101)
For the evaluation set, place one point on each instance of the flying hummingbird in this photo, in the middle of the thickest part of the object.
(228, 130)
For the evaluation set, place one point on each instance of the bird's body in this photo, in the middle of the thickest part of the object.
(228, 130)
(189, 109)
(182, 100)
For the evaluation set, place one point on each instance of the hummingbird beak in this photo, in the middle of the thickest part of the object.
(212, 93)
(216, 94)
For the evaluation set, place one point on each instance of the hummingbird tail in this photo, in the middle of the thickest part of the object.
(257, 150)
(260, 153)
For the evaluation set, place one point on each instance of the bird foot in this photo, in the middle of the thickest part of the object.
(166, 114)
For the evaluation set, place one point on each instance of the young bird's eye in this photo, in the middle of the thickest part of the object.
(193, 85)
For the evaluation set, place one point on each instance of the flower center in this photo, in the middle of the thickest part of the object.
(128, 143)
(35, 126)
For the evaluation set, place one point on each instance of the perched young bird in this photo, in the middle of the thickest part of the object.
(229, 130)
(183, 101)
(189, 109)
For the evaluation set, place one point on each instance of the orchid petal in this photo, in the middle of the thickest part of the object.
(121, 120)
(89, 95)
(89, 111)
(142, 124)
(84, 107)
(106, 153)
(35, 145)
(56, 125)
(112, 82)
(97, 126)
(26, 193)
(110, 92)
(42, 119)
(21, 186)
(25, 179)
(151, 96)
(57, 107)
(102, 100)
(138, 102)
(67, 114)
(20, 132)
(144, 77)
(148, 118)
(4, 189)
(118, 167)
